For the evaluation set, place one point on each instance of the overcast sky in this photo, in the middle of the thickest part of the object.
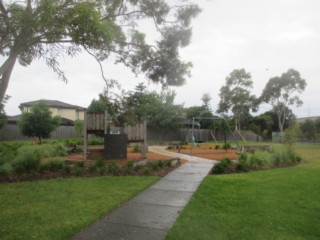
(266, 37)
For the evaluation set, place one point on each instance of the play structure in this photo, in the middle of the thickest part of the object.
(115, 139)
(196, 137)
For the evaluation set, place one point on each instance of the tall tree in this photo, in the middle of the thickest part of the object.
(309, 129)
(38, 122)
(206, 98)
(157, 108)
(283, 92)
(235, 95)
(47, 29)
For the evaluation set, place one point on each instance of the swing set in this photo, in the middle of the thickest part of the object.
(194, 122)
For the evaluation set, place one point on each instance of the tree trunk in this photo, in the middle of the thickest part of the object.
(5, 73)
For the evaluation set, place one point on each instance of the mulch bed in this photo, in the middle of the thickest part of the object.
(135, 157)
(213, 154)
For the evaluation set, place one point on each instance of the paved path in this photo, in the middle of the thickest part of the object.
(152, 212)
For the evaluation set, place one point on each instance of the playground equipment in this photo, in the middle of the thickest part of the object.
(193, 123)
(115, 142)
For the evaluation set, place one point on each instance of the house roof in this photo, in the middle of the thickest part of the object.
(52, 103)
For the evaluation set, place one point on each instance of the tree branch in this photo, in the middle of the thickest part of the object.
(5, 76)
(100, 65)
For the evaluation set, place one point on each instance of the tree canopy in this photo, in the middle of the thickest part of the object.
(235, 95)
(38, 122)
(158, 109)
(283, 92)
(48, 29)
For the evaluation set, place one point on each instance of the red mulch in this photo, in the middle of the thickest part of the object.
(213, 154)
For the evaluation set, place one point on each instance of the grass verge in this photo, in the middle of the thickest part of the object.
(57, 209)
(273, 204)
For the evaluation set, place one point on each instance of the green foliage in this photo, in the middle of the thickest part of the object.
(222, 166)
(310, 128)
(100, 162)
(96, 141)
(157, 108)
(104, 29)
(53, 165)
(97, 106)
(226, 146)
(136, 148)
(79, 126)
(114, 169)
(128, 167)
(282, 92)
(235, 95)
(28, 160)
(6, 169)
(38, 122)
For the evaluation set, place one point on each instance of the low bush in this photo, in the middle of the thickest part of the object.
(6, 169)
(27, 160)
(100, 162)
(53, 165)
(136, 148)
(128, 168)
(223, 166)
(260, 160)
(113, 169)
(226, 146)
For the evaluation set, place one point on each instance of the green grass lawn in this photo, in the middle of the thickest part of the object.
(274, 204)
(57, 209)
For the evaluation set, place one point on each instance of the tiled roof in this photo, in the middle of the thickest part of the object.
(52, 103)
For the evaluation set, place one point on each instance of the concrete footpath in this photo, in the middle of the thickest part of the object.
(152, 212)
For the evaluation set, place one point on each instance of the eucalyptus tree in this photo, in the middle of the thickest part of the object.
(49, 29)
(283, 92)
(236, 95)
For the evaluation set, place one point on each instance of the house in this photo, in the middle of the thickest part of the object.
(67, 112)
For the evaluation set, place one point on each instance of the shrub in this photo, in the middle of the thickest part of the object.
(80, 164)
(226, 146)
(59, 150)
(92, 168)
(66, 170)
(100, 162)
(27, 161)
(223, 166)
(53, 165)
(6, 169)
(79, 171)
(146, 171)
(114, 169)
(242, 165)
(261, 160)
(128, 168)
(136, 148)
(156, 165)
(95, 142)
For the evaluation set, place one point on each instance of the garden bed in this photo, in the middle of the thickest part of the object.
(212, 154)
(74, 165)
